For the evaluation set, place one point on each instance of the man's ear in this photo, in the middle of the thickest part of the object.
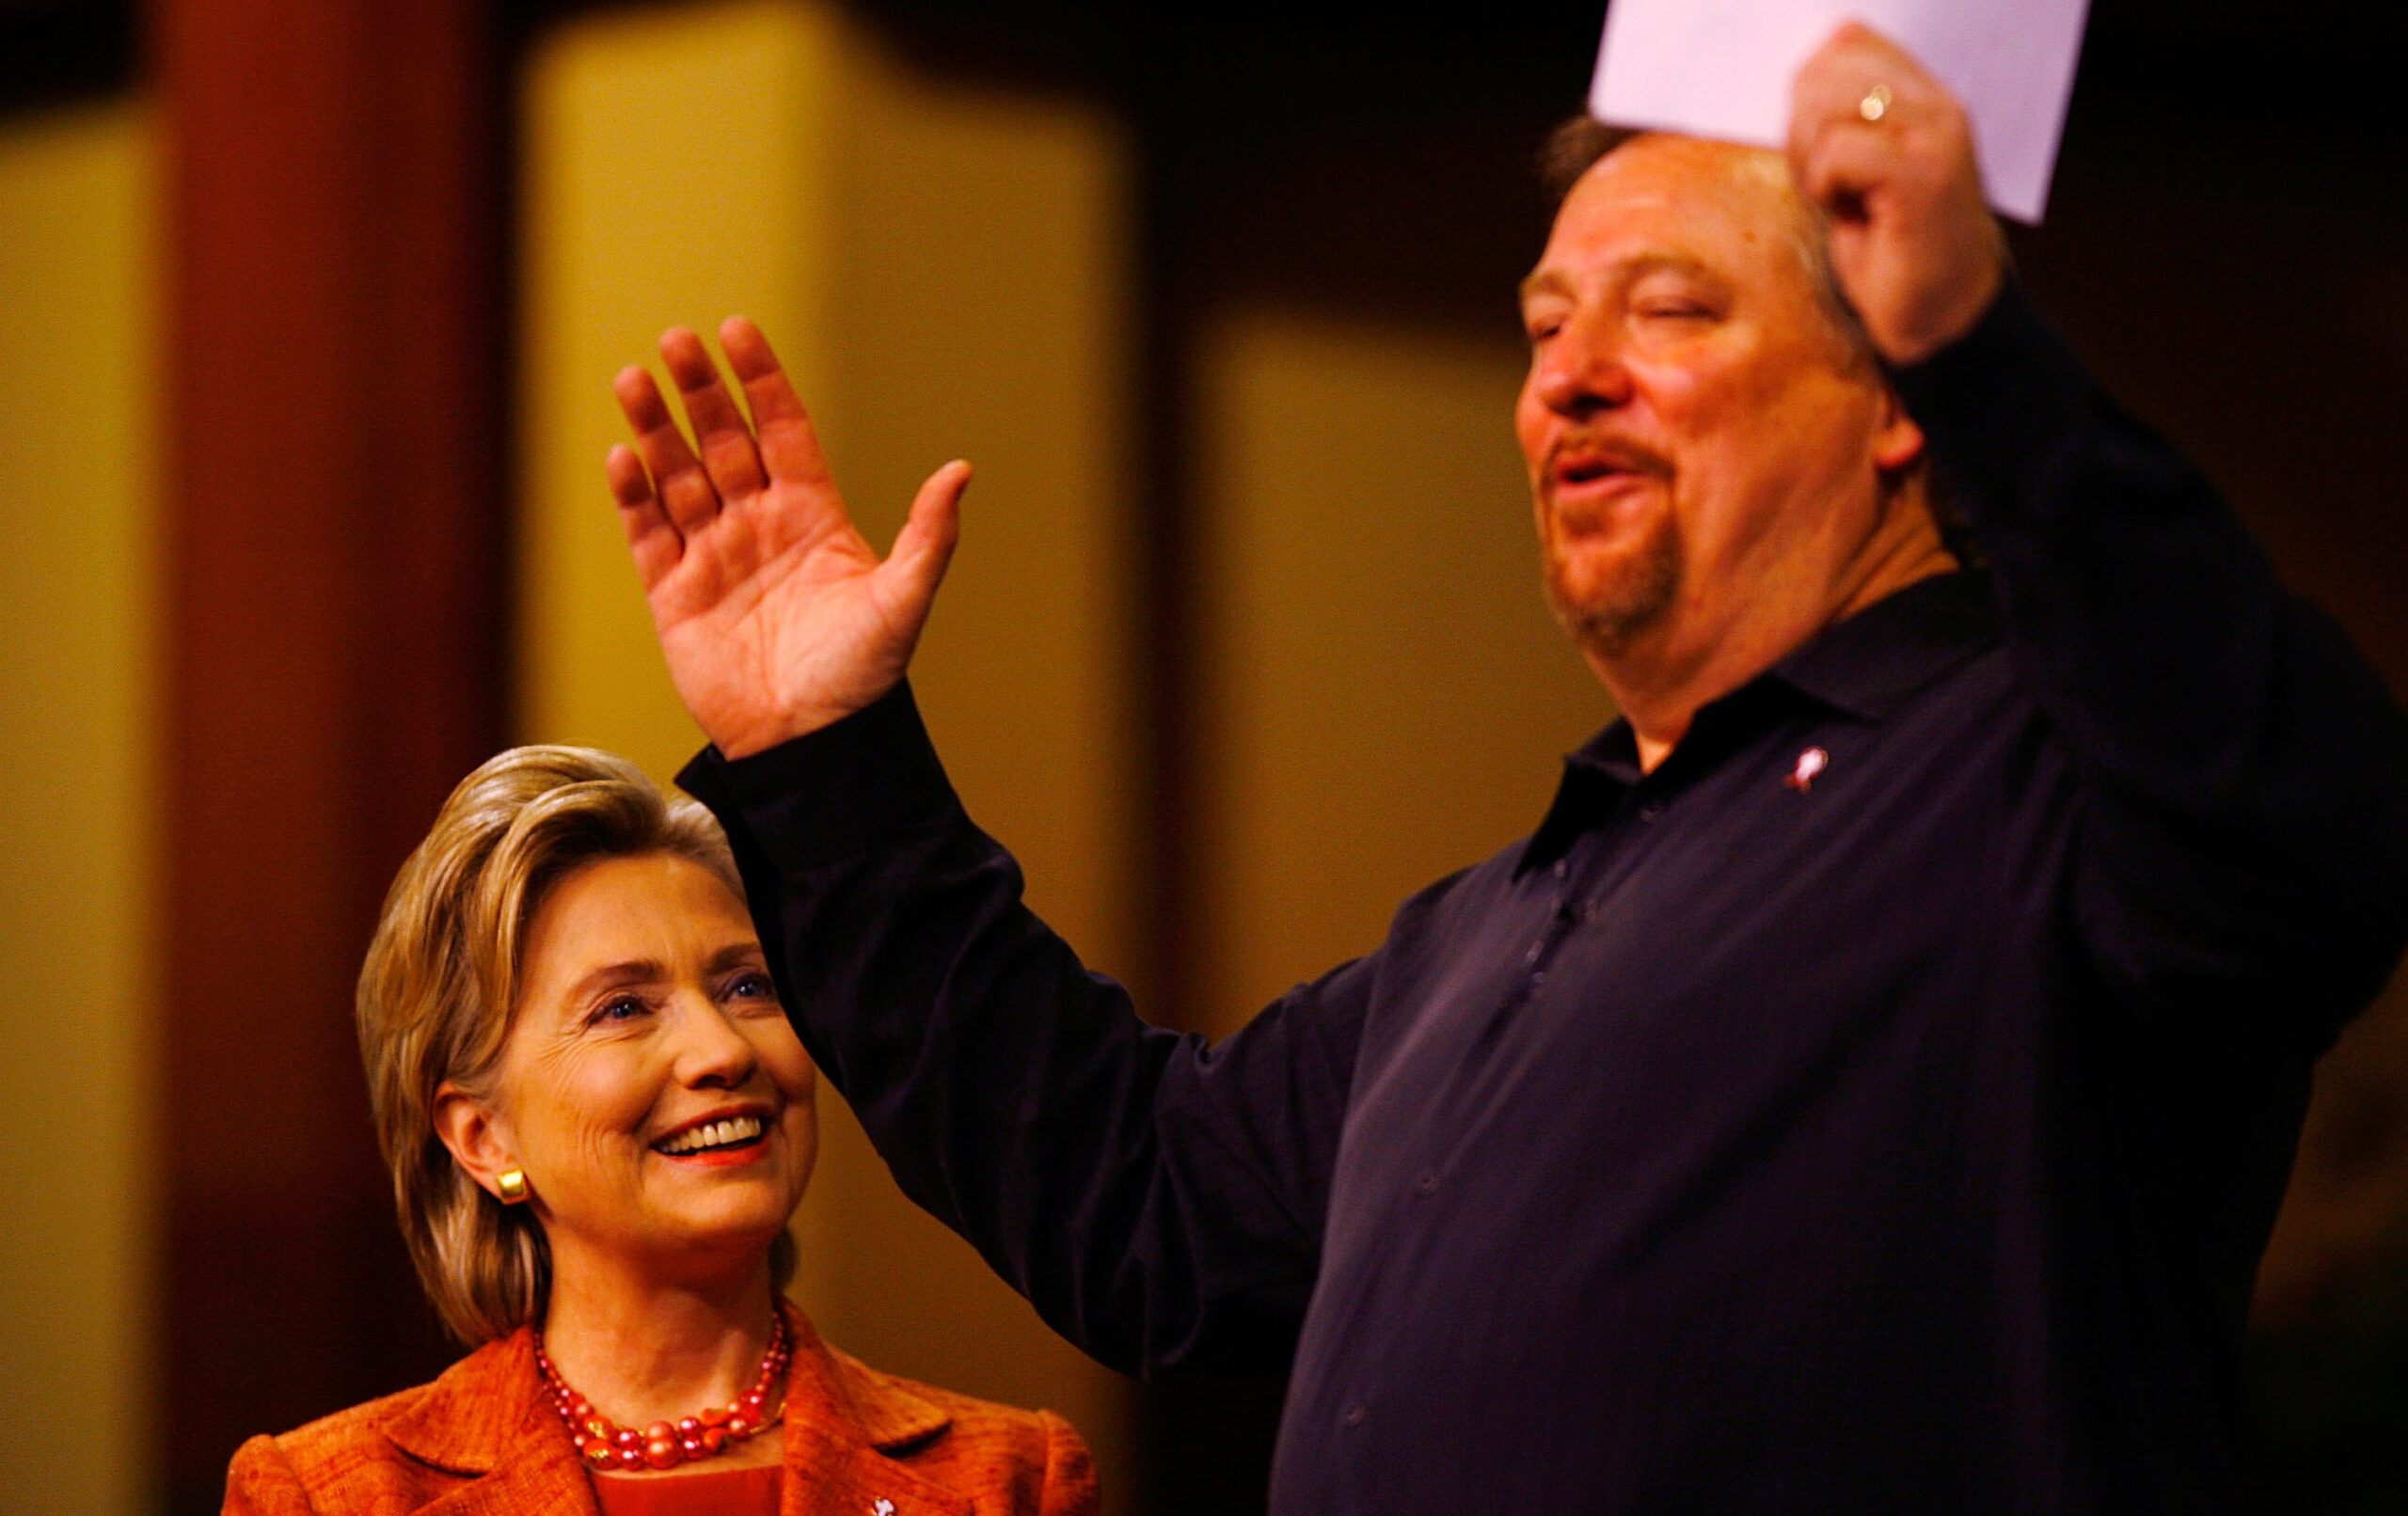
(472, 1133)
(1898, 441)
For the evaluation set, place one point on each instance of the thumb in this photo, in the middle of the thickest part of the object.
(924, 547)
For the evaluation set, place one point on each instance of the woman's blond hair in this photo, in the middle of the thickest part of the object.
(437, 992)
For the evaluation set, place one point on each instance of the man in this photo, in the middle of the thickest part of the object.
(1870, 1087)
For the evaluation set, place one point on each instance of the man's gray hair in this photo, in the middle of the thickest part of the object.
(1574, 147)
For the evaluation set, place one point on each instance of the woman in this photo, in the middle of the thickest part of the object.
(598, 1121)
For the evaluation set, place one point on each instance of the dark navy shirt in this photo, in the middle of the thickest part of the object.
(1879, 1107)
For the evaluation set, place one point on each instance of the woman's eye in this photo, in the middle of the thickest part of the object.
(754, 986)
(620, 1009)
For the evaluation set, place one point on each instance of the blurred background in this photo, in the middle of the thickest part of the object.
(308, 313)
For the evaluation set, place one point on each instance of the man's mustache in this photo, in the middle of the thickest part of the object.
(1578, 457)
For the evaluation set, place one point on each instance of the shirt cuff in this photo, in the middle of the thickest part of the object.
(847, 789)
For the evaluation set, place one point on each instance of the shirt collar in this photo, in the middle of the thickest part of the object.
(1868, 664)
(1865, 667)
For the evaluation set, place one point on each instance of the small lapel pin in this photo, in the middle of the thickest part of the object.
(883, 1508)
(1809, 763)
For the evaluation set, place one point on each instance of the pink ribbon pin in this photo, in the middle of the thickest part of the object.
(1809, 763)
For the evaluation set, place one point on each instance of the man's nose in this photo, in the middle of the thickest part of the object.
(1582, 371)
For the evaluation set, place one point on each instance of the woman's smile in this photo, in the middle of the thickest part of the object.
(728, 1141)
(650, 1085)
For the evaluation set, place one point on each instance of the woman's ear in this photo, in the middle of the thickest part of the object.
(1898, 440)
(475, 1138)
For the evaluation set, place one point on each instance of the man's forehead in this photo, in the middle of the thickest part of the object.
(1671, 161)
(1661, 201)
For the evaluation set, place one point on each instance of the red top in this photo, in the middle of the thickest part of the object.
(730, 1492)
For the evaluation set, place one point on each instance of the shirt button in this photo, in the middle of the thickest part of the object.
(1353, 1416)
(1535, 949)
(1651, 811)
(1538, 977)
(1428, 1182)
(1560, 868)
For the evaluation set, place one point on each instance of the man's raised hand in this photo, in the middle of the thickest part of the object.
(1888, 153)
(776, 617)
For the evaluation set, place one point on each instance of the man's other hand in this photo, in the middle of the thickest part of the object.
(776, 617)
(1888, 155)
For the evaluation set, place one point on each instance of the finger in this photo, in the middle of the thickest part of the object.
(683, 489)
(721, 433)
(1815, 93)
(1832, 81)
(653, 541)
(1846, 159)
(1836, 81)
(1838, 153)
(1925, 156)
(790, 442)
(1854, 48)
(924, 546)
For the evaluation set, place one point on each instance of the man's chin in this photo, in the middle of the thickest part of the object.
(1606, 612)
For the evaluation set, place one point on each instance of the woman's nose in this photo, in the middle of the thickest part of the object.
(712, 1050)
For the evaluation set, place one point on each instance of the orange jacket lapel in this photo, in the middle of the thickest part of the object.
(483, 1420)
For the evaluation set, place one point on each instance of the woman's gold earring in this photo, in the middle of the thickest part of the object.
(512, 1184)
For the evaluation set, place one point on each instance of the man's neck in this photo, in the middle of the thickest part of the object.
(1661, 681)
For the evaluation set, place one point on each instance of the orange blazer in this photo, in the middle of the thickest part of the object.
(482, 1441)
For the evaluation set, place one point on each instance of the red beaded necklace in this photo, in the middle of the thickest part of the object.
(664, 1444)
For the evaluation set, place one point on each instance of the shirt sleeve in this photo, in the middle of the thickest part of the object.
(2243, 843)
(1159, 1200)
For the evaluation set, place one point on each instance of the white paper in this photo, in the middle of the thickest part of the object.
(1723, 68)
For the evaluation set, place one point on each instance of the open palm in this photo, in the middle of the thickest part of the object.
(775, 615)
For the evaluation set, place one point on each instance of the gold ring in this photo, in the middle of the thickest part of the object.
(1876, 102)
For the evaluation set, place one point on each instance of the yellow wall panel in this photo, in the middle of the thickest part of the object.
(981, 317)
(676, 169)
(78, 609)
(1388, 697)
